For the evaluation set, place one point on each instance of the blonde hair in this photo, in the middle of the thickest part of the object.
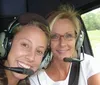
(65, 12)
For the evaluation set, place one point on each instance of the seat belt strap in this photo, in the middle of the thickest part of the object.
(74, 74)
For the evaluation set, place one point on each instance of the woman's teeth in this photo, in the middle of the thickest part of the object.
(24, 65)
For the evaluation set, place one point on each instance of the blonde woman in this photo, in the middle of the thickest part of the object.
(65, 29)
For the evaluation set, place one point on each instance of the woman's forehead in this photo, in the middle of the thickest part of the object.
(62, 25)
(31, 32)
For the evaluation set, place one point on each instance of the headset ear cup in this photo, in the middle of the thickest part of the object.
(80, 40)
(9, 45)
(2, 46)
(47, 59)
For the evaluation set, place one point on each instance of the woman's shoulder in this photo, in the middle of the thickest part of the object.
(90, 65)
(35, 78)
(89, 60)
(87, 57)
(38, 73)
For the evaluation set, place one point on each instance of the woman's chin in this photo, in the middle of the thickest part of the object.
(64, 55)
(20, 76)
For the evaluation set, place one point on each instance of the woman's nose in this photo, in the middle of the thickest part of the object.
(31, 56)
(62, 41)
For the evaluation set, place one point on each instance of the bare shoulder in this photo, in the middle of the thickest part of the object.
(94, 80)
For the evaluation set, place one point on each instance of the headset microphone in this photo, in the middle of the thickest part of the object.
(72, 60)
(18, 70)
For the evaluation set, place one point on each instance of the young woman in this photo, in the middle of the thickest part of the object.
(28, 39)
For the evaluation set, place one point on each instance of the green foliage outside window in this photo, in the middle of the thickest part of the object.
(92, 20)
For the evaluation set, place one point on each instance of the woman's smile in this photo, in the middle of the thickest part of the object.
(20, 64)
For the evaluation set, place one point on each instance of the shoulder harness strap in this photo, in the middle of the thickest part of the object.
(74, 74)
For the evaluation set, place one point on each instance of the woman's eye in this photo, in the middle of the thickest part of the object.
(40, 52)
(25, 45)
(68, 35)
(54, 36)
